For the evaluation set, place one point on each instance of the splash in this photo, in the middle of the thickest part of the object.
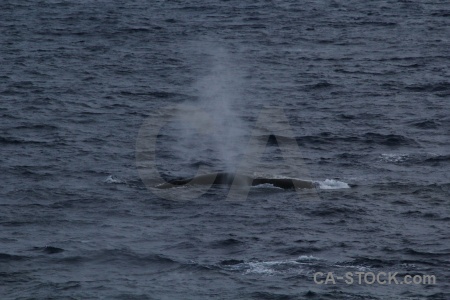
(112, 179)
(332, 184)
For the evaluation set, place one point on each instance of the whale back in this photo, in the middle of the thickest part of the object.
(225, 178)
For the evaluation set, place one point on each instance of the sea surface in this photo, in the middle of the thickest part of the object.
(362, 87)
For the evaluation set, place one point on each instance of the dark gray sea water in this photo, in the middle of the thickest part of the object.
(365, 87)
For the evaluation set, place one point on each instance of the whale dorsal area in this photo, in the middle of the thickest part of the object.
(225, 178)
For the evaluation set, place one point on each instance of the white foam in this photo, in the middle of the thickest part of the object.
(113, 179)
(392, 157)
(307, 258)
(274, 267)
(301, 265)
(357, 267)
(332, 184)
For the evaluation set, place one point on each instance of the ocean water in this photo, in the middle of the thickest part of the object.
(363, 87)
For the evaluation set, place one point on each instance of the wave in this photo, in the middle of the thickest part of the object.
(49, 249)
(11, 257)
(438, 158)
(332, 138)
(367, 138)
(430, 87)
(9, 140)
(426, 124)
(414, 158)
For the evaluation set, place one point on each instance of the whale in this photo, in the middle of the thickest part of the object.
(225, 178)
